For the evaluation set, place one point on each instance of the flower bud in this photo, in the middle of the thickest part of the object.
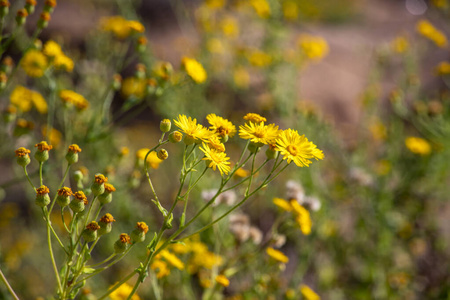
(30, 6)
(90, 233)
(4, 8)
(21, 16)
(271, 153)
(105, 224)
(224, 138)
(175, 137)
(49, 6)
(165, 125)
(3, 80)
(23, 157)
(41, 154)
(138, 234)
(42, 197)
(140, 71)
(43, 20)
(98, 186)
(7, 63)
(117, 82)
(141, 44)
(254, 148)
(72, 154)
(10, 114)
(106, 197)
(78, 202)
(63, 198)
(162, 154)
(122, 244)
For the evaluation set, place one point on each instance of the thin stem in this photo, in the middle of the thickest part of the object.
(8, 286)
(63, 221)
(28, 177)
(52, 257)
(89, 211)
(251, 176)
(41, 179)
(59, 186)
(195, 183)
(104, 261)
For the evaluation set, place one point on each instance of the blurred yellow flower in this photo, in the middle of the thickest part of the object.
(440, 3)
(261, 7)
(215, 45)
(425, 28)
(283, 204)
(222, 280)
(73, 98)
(230, 27)
(132, 86)
(64, 62)
(241, 78)
(121, 27)
(418, 145)
(277, 255)
(308, 293)
(378, 130)
(172, 259)
(400, 44)
(194, 69)
(290, 10)
(313, 47)
(52, 49)
(259, 58)
(215, 3)
(242, 173)
(443, 68)
(54, 137)
(161, 268)
(297, 148)
(34, 63)
(303, 217)
(152, 159)
(23, 99)
(122, 293)
(255, 118)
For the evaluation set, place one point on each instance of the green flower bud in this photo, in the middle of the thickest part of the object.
(138, 234)
(189, 140)
(21, 16)
(30, 6)
(72, 154)
(78, 176)
(90, 233)
(162, 154)
(42, 197)
(4, 8)
(98, 186)
(63, 198)
(105, 224)
(106, 197)
(41, 154)
(175, 137)
(49, 6)
(224, 138)
(78, 202)
(271, 153)
(117, 82)
(165, 125)
(23, 157)
(122, 244)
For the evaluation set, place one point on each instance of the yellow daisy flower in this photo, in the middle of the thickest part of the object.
(418, 145)
(255, 118)
(24, 99)
(215, 143)
(221, 126)
(303, 217)
(52, 49)
(194, 132)
(277, 255)
(64, 62)
(194, 69)
(77, 100)
(259, 133)
(122, 293)
(217, 159)
(297, 148)
(34, 63)
(308, 293)
(152, 159)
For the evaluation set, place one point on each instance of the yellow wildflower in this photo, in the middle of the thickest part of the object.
(290, 10)
(172, 259)
(277, 255)
(259, 133)
(161, 268)
(303, 217)
(52, 49)
(122, 293)
(75, 99)
(255, 118)
(136, 26)
(34, 63)
(427, 29)
(308, 293)
(259, 58)
(283, 204)
(54, 137)
(121, 27)
(313, 47)
(221, 126)
(215, 46)
(378, 130)
(230, 27)
(194, 69)
(440, 3)
(24, 99)
(443, 68)
(242, 173)
(222, 280)
(297, 148)
(216, 159)
(215, 4)
(152, 159)
(418, 145)
(194, 132)
(400, 44)
(215, 143)
(261, 7)
(63, 62)
(133, 86)
(241, 78)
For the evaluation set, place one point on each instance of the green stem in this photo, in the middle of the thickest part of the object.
(52, 257)
(62, 218)
(8, 286)
(251, 176)
(28, 177)
(59, 187)
(195, 183)
(89, 212)
(41, 179)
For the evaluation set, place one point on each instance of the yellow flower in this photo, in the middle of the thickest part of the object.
(194, 69)
(400, 44)
(241, 78)
(443, 68)
(418, 145)
(132, 86)
(136, 26)
(161, 267)
(261, 7)
(221, 126)
(75, 99)
(222, 280)
(216, 159)
(121, 27)
(242, 173)
(303, 217)
(152, 159)
(34, 63)
(378, 130)
(215, 46)
(54, 137)
(24, 99)
(52, 49)
(255, 118)
(308, 293)
(215, 143)
(259, 133)
(215, 4)
(440, 3)
(194, 132)
(122, 293)
(290, 10)
(63, 62)
(277, 255)
(172, 259)
(313, 47)
(259, 58)
(283, 204)
(297, 148)
(427, 29)
(230, 27)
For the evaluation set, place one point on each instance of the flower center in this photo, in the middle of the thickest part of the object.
(292, 149)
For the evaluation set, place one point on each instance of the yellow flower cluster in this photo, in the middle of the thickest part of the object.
(194, 69)
(36, 62)
(261, 7)
(313, 47)
(418, 145)
(120, 27)
(427, 29)
(301, 214)
(24, 99)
